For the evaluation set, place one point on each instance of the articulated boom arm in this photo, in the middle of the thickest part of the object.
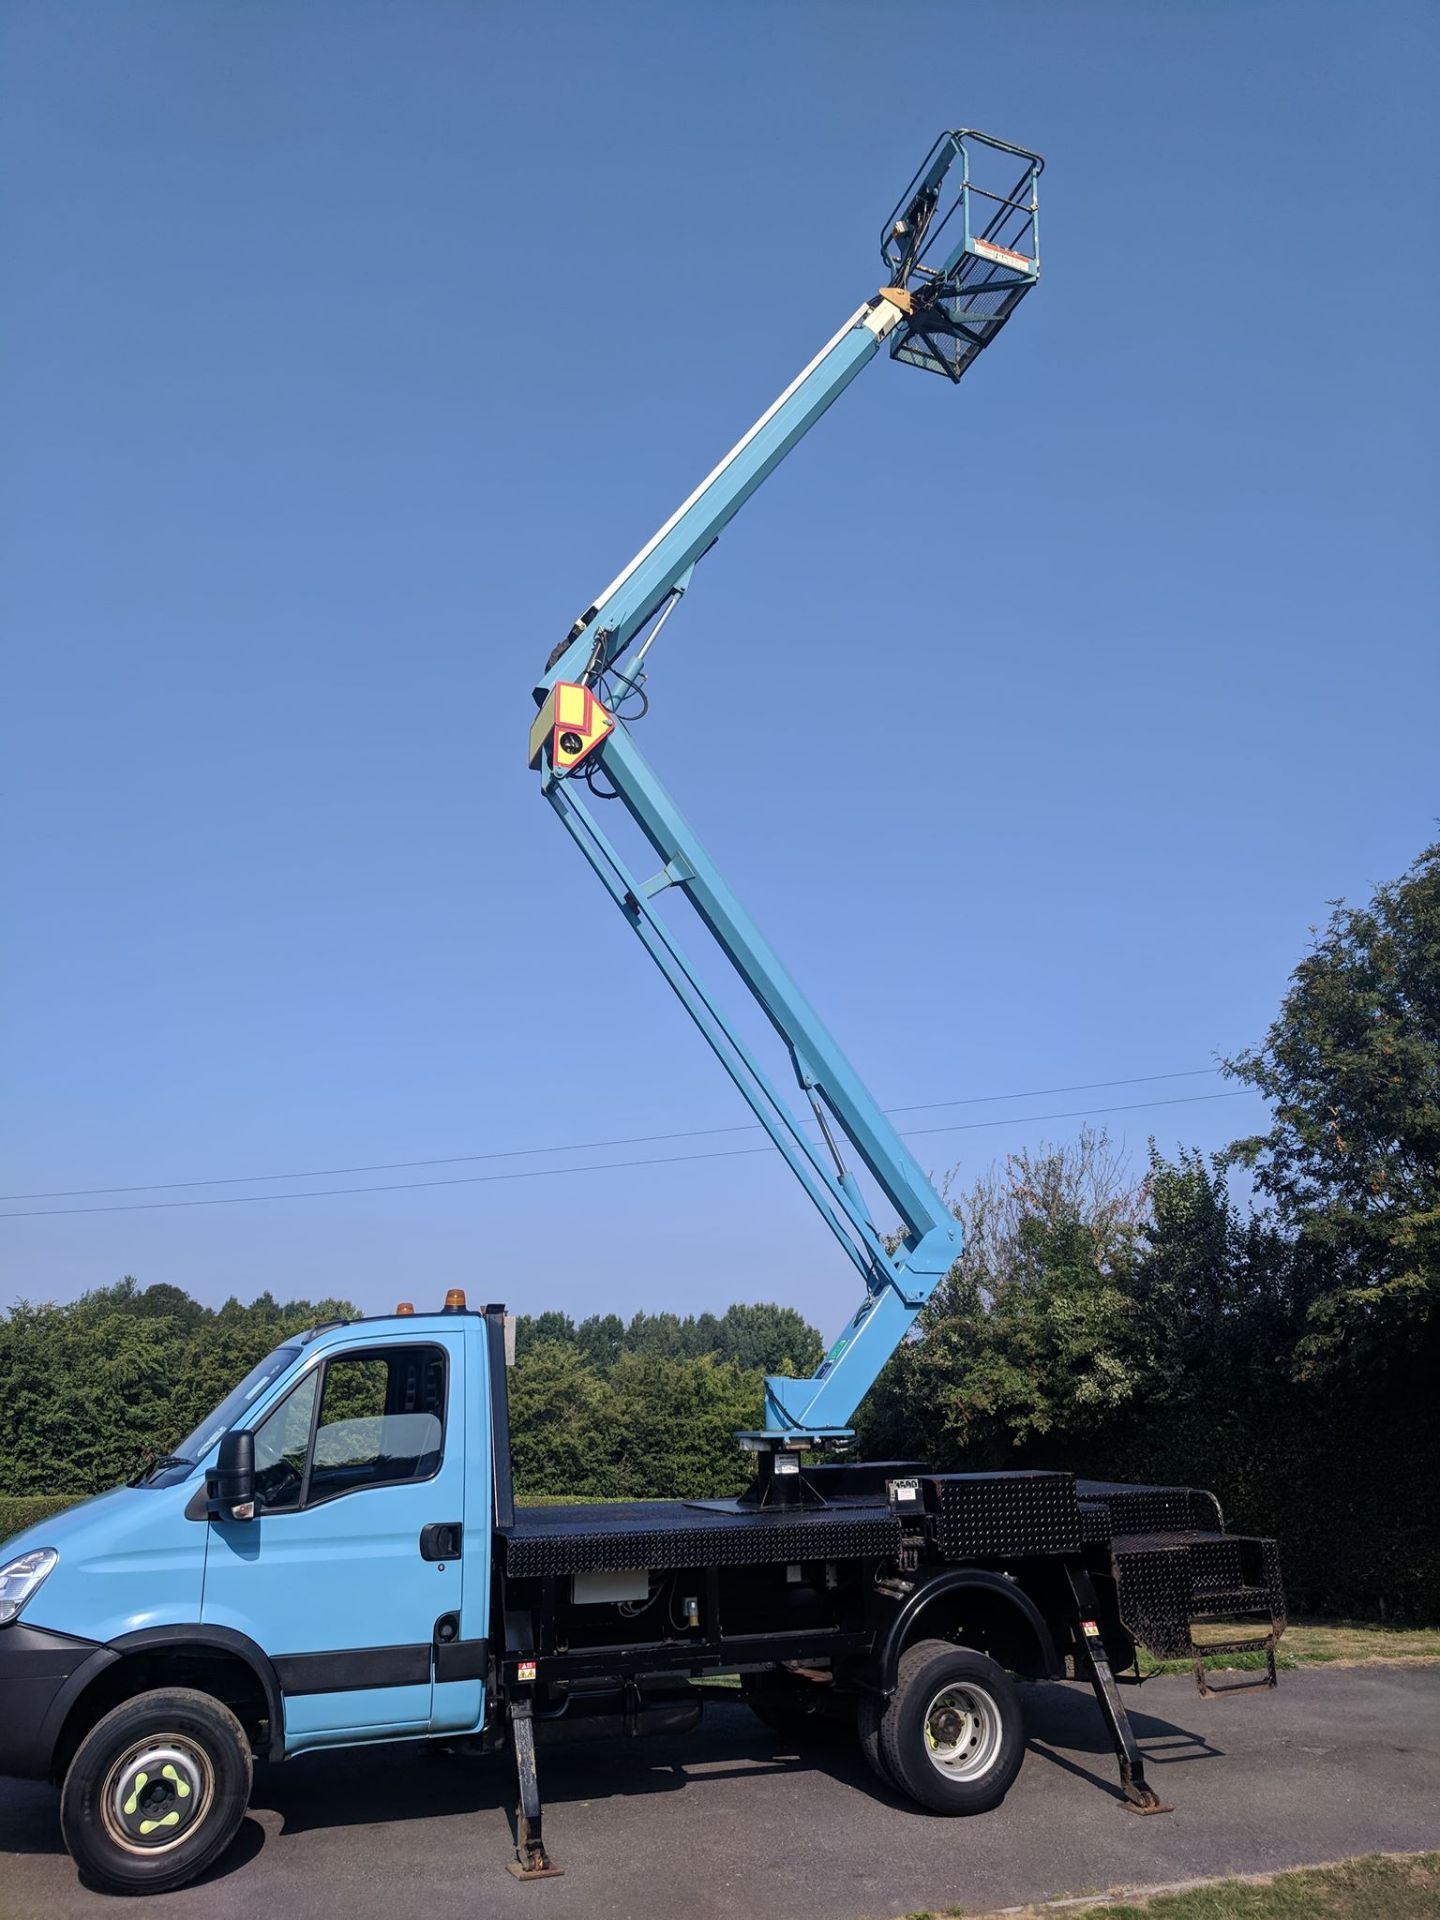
(938, 314)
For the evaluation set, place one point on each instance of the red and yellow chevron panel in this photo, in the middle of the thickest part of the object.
(572, 723)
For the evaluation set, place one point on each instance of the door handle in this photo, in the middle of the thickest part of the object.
(441, 1540)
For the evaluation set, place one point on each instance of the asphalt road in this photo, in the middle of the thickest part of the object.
(730, 1821)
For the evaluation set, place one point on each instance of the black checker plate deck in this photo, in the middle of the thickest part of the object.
(1166, 1580)
(1094, 1522)
(1135, 1509)
(1217, 1561)
(1002, 1513)
(659, 1534)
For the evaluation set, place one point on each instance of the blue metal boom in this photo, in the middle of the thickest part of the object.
(938, 315)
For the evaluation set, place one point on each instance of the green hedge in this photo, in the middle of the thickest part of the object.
(19, 1511)
(1348, 1484)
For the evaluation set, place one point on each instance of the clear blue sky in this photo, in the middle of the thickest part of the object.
(350, 349)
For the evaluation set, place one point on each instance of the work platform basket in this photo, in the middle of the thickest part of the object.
(968, 268)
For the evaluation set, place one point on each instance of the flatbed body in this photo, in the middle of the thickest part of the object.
(726, 1585)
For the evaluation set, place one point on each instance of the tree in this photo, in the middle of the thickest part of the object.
(1214, 1286)
(659, 1333)
(670, 1426)
(93, 1388)
(1035, 1326)
(767, 1338)
(1351, 1161)
(601, 1338)
(559, 1411)
(533, 1330)
(761, 1336)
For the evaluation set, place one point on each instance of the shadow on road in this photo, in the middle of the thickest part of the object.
(416, 1782)
(30, 1823)
(1059, 1717)
(412, 1782)
(366, 1786)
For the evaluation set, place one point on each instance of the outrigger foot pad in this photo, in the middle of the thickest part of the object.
(531, 1862)
(1144, 1800)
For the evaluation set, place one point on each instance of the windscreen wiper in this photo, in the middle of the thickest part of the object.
(159, 1466)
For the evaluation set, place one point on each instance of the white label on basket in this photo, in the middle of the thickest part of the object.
(1004, 255)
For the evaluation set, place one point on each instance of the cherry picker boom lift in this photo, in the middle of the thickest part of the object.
(335, 1555)
(955, 280)
(956, 271)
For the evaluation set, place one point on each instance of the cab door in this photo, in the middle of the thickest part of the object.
(352, 1570)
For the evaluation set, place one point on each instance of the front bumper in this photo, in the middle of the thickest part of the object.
(41, 1674)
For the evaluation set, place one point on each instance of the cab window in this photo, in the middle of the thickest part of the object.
(382, 1420)
(282, 1445)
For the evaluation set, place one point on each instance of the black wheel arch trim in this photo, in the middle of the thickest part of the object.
(217, 1640)
(958, 1580)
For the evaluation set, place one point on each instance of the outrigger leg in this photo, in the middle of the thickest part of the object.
(531, 1861)
(1140, 1796)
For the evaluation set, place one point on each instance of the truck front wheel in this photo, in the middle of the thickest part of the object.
(156, 1791)
(952, 1735)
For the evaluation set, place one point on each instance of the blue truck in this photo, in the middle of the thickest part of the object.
(335, 1556)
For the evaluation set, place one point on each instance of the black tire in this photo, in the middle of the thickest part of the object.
(123, 1806)
(869, 1714)
(952, 1735)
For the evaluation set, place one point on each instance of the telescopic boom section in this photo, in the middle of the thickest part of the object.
(956, 276)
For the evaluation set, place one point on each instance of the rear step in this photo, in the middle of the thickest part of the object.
(1220, 1608)
(1202, 1673)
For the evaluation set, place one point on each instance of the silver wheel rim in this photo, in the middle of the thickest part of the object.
(156, 1794)
(962, 1732)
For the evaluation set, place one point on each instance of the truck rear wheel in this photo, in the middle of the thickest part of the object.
(952, 1735)
(156, 1791)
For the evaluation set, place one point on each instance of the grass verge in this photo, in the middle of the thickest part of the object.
(1380, 1887)
(1343, 1643)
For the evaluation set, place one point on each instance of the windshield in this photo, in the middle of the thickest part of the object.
(231, 1409)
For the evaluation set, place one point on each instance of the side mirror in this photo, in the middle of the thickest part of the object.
(230, 1486)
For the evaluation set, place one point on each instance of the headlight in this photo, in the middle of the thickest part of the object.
(20, 1579)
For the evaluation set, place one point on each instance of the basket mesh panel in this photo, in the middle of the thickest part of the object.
(945, 336)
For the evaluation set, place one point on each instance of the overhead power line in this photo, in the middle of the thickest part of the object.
(595, 1166)
(572, 1146)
